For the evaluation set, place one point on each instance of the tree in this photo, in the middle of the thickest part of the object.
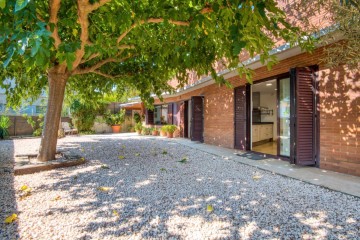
(93, 46)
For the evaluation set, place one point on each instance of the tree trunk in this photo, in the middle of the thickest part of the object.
(57, 83)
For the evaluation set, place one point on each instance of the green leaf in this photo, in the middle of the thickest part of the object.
(2, 4)
(20, 4)
(11, 52)
(183, 160)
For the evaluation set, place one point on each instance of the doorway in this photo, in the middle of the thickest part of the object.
(264, 136)
(279, 116)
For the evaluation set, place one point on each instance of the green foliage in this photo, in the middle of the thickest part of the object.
(4, 125)
(169, 128)
(133, 46)
(137, 117)
(112, 119)
(84, 115)
(145, 131)
(138, 126)
(37, 126)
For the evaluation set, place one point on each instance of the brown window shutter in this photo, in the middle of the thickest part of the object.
(303, 116)
(241, 101)
(197, 126)
(182, 119)
(149, 117)
(170, 113)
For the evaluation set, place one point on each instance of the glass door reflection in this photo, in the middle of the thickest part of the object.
(284, 117)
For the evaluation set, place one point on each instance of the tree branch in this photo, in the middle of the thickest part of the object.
(103, 74)
(99, 65)
(95, 55)
(54, 9)
(84, 8)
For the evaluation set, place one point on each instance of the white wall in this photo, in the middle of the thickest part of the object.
(269, 100)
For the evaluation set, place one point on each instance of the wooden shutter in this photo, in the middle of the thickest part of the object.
(303, 116)
(170, 113)
(182, 118)
(241, 101)
(149, 117)
(197, 119)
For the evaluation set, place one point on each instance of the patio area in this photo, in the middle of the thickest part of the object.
(154, 188)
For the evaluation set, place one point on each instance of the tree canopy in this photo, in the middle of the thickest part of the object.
(102, 44)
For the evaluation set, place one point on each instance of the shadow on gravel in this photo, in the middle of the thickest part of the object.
(8, 205)
(156, 196)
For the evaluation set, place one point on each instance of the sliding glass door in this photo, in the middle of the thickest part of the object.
(284, 117)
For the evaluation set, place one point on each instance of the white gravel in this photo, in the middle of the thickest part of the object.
(157, 197)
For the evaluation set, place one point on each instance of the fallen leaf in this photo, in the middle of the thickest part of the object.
(82, 149)
(57, 198)
(103, 189)
(137, 154)
(25, 188)
(121, 157)
(104, 167)
(115, 213)
(209, 208)
(163, 169)
(164, 152)
(256, 177)
(75, 177)
(11, 218)
(184, 160)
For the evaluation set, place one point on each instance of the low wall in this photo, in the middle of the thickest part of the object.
(20, 127)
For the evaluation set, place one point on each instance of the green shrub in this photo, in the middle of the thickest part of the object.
(37, 126)
(164, 128)
(137, 117)
(138, 126)
(4, 125)
(112, 119)
(170, 128)
(84, 115)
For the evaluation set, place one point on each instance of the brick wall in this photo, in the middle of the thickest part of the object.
(339, 111)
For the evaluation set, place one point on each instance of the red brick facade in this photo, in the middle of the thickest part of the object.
(339, 111)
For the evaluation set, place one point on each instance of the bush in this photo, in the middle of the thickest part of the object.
(138, 126)
(145, 131)
(137, 117)
(4, 125)
(84, 115)
(170, 128)
(112, 119)
(37, 126)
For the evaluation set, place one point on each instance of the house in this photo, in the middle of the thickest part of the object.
(300, 110)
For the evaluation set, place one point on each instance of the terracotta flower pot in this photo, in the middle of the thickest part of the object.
(155, 133)
(163, 133)
(116, 128)
(170, 135)
(138, 132)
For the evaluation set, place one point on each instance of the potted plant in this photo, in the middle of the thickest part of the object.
(170, 129)
(138, 127)
(155, 131)
(145, 131)
(163, 131)
(115, 120)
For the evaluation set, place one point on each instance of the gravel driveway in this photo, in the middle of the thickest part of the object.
(137, 187)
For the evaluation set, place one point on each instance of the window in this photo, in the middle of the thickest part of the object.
(161, 114)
